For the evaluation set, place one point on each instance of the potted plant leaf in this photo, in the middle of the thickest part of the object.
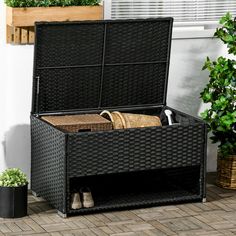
(13, 193)
(220, 93)
(22, 14)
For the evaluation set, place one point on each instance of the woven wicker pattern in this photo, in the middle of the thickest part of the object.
(65, 92)
(147, 86)
(69, 44)
(134, 149)
(137, 44)
(77, 123)
(101, 64)
(47, 164)
(226, 171)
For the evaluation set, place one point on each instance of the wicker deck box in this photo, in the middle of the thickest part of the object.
(86, 67)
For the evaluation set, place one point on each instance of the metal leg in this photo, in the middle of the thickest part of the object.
(34, 194)
(62, 214)
(204, 200)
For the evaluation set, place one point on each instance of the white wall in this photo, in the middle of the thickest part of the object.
(16, 65)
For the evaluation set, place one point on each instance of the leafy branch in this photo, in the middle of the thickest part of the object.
(220, 92)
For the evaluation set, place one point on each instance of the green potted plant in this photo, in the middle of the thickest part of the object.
(220, 94)
(22, 14)
(13, 193)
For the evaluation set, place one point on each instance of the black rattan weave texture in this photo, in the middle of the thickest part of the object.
(101, 64)
(134, 150)
(81, 84)
(69, 44)
(48, 163)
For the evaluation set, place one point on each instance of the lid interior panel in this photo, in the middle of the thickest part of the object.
(70, 88)
(136, 43)
(69, 45)
(100, 64)
(133, 84)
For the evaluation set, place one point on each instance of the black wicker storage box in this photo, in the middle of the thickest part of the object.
(86, 67)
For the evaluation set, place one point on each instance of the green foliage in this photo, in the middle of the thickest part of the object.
(48, 3)
(13, 178)
(220, 91)
(227, 32)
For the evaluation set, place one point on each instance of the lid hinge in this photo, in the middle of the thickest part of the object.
(37, 95)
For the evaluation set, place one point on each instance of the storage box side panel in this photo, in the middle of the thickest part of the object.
(94, 153)
(48, 163)
(204, 165)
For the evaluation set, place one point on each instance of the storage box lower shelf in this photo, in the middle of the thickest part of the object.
(141, 189)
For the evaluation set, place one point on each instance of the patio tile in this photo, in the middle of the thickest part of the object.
(216, 217)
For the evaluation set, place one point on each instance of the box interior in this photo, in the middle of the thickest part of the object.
(179, 118)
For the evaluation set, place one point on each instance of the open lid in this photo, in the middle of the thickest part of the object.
(101, 64)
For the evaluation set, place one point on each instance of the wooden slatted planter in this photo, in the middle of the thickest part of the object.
(20, 21)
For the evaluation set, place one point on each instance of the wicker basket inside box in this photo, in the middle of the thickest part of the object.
(79, 123)
(122, 65)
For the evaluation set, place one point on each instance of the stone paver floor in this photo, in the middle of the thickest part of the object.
(215, 217)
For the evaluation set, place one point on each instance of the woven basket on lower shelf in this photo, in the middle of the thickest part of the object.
(226, 172)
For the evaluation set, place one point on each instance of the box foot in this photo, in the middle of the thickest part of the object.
(34, 194)
(62, 215)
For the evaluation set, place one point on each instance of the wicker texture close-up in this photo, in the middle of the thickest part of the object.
(78, 41)
(138, 40)
(226, 171)
(79, 123)
(137, 91)
(134, 149)
(48, 163)
(62, 89)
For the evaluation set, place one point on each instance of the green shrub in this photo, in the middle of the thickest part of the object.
(47, 3)
(13, 178)
(220, 92)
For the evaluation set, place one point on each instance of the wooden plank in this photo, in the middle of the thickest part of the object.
(17, 33)
(31, 35)
(9, 34)
(9, 17)
(24, 35)
(28, 16)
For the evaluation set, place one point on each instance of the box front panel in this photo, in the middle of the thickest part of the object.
(95, 153)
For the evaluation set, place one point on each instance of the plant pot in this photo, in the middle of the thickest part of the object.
(20, 21)
(226, 171)
(13, 201)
